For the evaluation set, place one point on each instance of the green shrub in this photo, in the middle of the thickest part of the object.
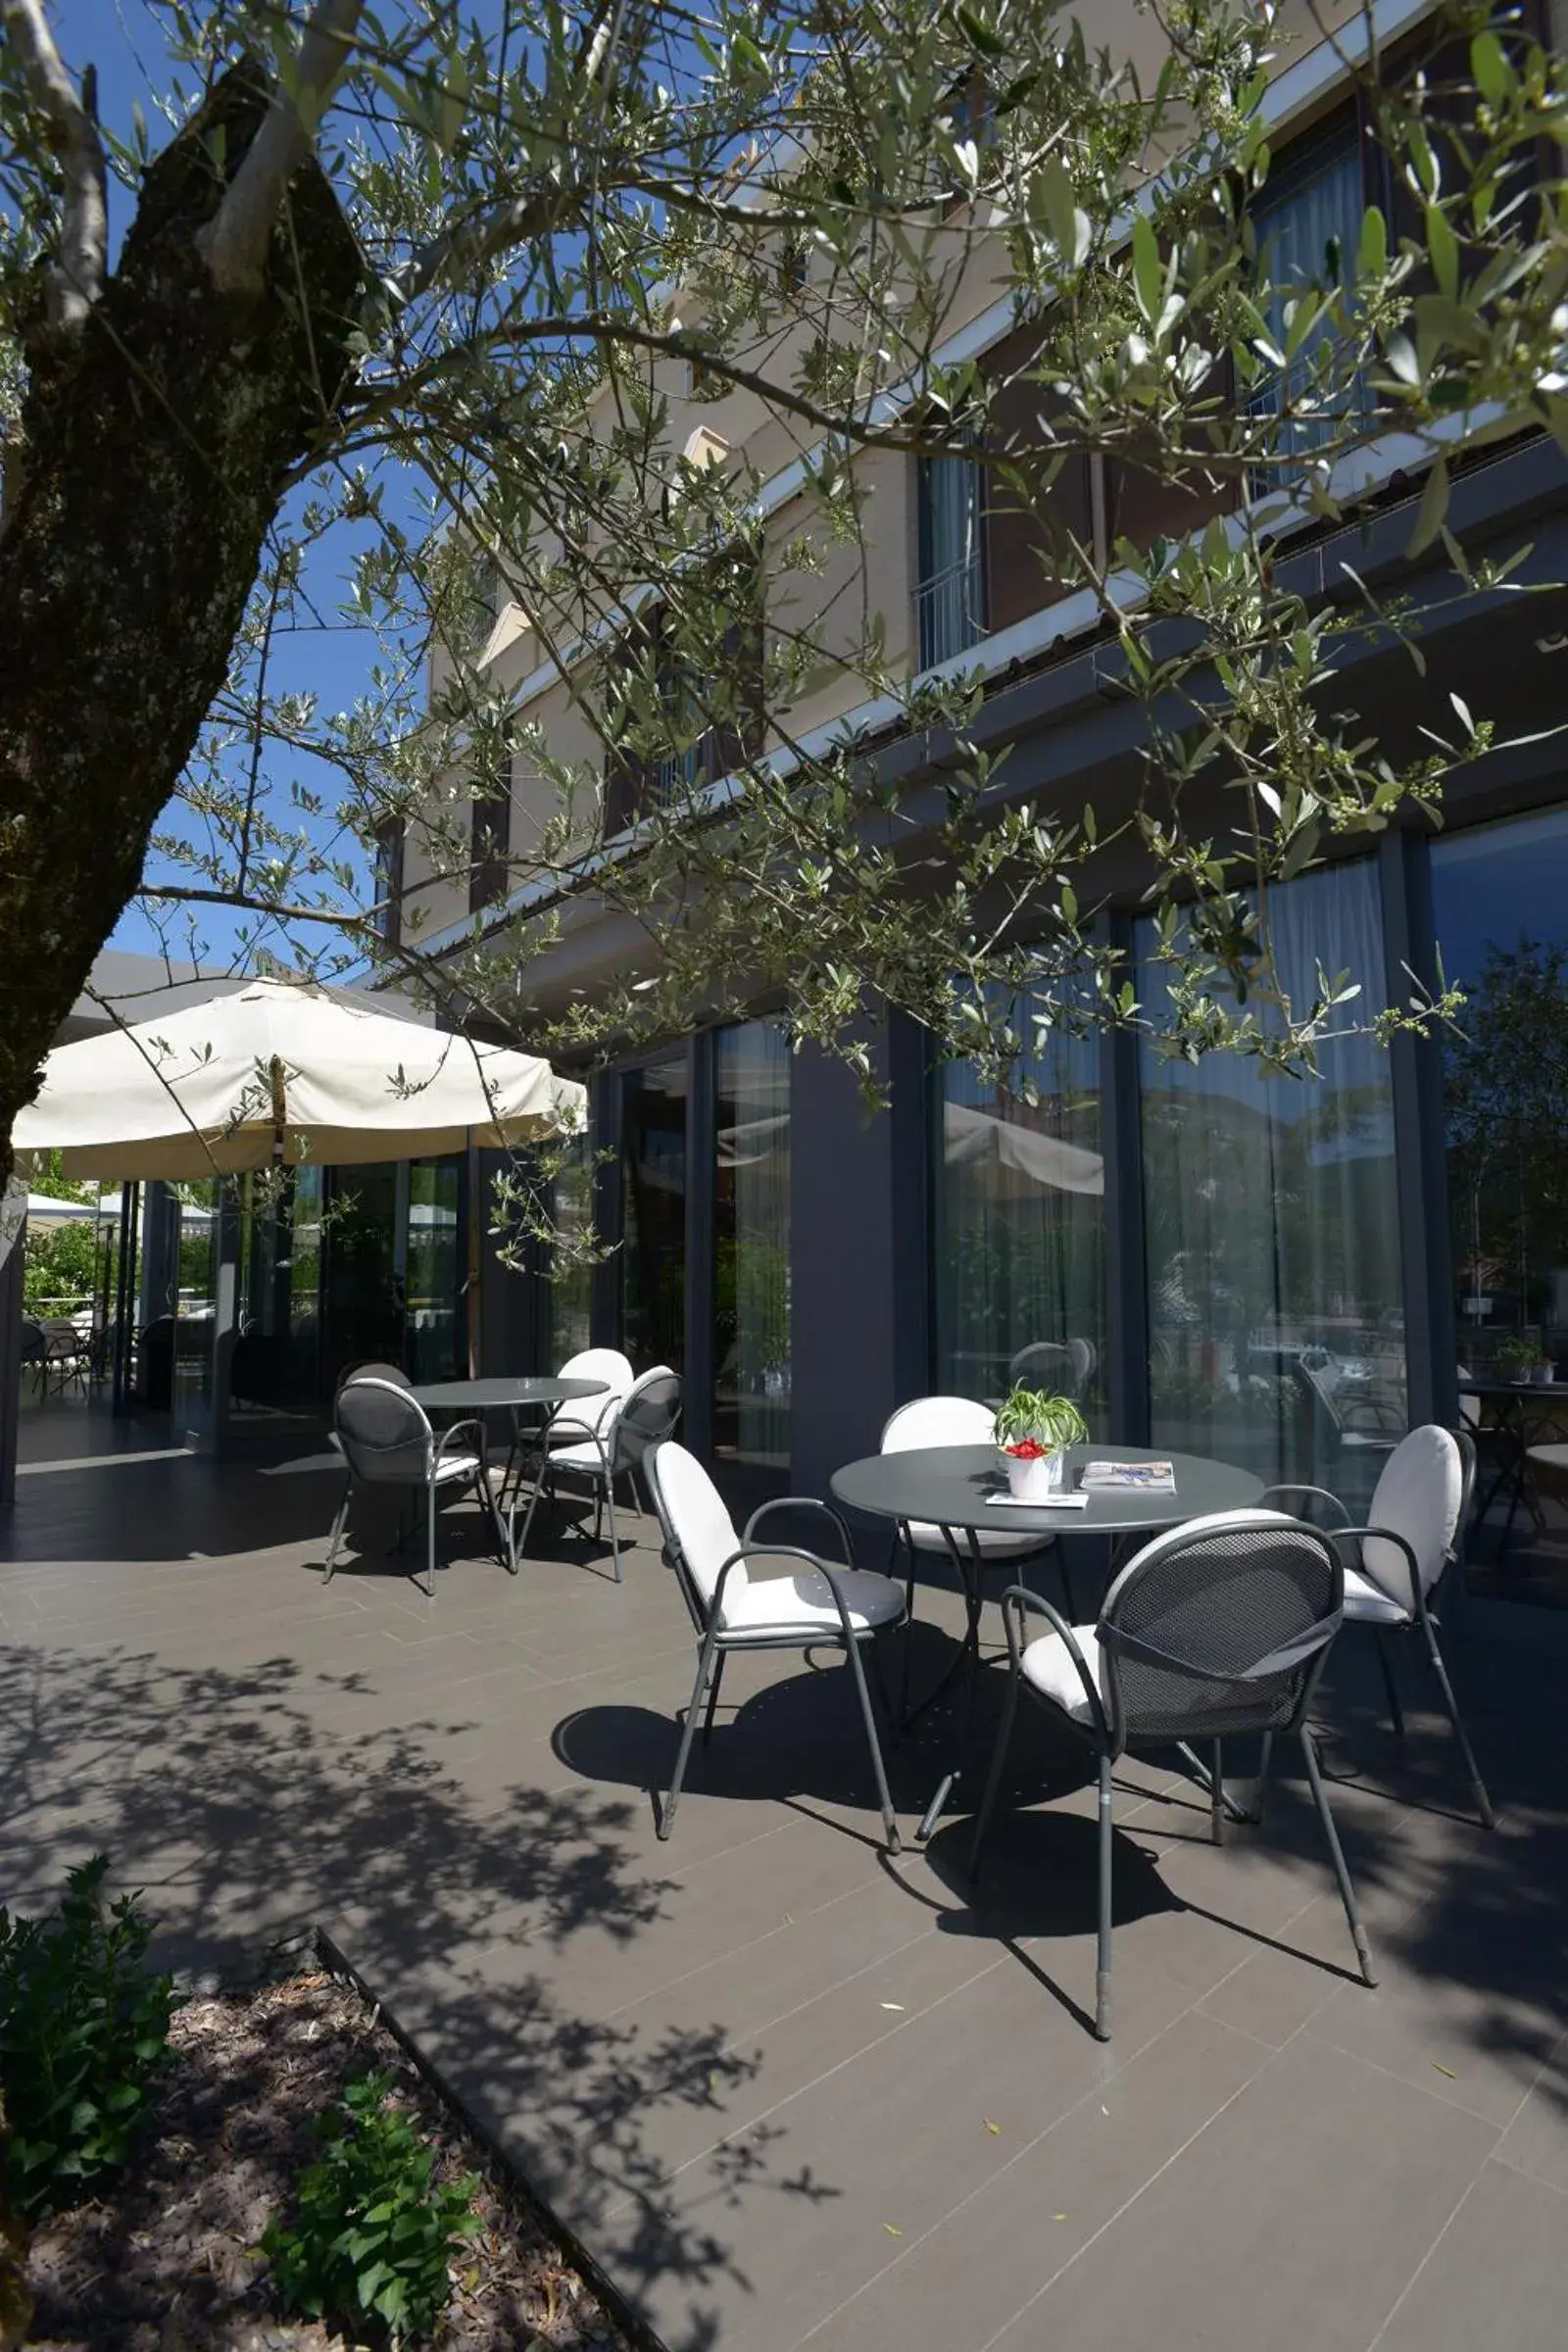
(83, 2028)
(371, 2232)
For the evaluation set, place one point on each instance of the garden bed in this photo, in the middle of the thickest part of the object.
(170, 2262)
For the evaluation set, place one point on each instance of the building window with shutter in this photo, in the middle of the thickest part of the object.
(1309, 226)
(388, 883)
(950, 590)
(492, 841)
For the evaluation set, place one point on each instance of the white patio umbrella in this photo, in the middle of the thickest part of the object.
(1017, 1161)
(280, 1072)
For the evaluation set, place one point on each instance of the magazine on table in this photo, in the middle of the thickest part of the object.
(1143, 1478)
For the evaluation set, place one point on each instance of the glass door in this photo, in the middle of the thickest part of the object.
(751, 1246)
(1500, 914)
(435, 1263)
(653, 1255)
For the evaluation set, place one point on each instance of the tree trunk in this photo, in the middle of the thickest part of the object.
(156, 445)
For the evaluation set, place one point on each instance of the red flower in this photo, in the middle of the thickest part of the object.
(1029, 1450)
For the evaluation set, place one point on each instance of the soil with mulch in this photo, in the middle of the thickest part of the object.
(169, 2260)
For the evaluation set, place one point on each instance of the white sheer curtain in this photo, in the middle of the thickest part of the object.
(1019, 1197)
(1271, 1221)
(752, 1245)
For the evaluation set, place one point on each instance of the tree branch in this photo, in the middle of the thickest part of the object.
(235, 242)
(75, 277)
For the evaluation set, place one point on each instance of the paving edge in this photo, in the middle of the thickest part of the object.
(331, 1956)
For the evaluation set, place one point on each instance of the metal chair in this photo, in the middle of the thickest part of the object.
(1067, 1363)
(387, 1440)
(613, 1449)
(1414, 1534)
(950, 1421)
(1217, 1628)
(813, 1605)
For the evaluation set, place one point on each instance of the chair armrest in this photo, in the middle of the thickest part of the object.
(473, 1430)
(801, 1502)
(1295, 1486)
(833, 1576)
(1024, 1601)
(1387, 1535)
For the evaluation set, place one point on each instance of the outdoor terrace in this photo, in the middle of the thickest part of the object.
(783, 2090)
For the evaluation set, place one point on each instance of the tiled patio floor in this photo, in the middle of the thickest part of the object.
(787, 2091)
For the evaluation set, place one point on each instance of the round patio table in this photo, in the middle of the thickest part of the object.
(960, 1490)
(499, 1395)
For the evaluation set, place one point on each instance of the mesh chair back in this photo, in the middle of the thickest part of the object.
(647, 1417)
(384, 1435)
(1420, 1496)
(1220, 1626)
(937, 1421)
(34, 1341)
(392, 1372)
(699, 1532)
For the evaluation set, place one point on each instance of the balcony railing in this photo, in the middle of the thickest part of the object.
(951, 611)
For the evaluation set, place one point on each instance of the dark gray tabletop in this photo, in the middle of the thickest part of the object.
(477, 1396)
(1520, 1391)
(948, 1483)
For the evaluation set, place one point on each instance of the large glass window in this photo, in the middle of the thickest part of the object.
(1500, 912)
(653, 1257)
(569, 1292)
(1275, 1299)
(751, 1246)
(1019, 1200)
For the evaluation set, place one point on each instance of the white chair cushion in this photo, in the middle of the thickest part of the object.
(695, 1519)
(1416, 1497)
(1366, 1603)
(993, 1545)
(802, 1600)
(937, 1421)
(1048, 1664)
(583, 1455)
(457, 1465)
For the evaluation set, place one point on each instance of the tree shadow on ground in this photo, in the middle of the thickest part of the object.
(247, 1815)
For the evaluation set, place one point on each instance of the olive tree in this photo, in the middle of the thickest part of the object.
(401, 283)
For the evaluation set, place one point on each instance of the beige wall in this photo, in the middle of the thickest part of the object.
(856, 584)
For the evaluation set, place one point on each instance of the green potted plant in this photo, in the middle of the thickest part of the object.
(1033, 1432)
(1516, 1358)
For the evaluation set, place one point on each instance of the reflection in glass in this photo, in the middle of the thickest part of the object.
(434, 1282)
(653, 1257)
(275, 1365)
(751, 1246)
(195, 1303)
(1502, 918)
(1019, 1197)
(568, 1297)
(361, 1296)
(1275, 1296)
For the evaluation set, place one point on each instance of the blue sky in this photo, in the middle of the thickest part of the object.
(125, 40)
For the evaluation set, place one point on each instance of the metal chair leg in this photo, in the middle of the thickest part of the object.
(982, 1820)
(1395, 1711)
(1359, 1934)
(1478, 1786)
(1066, 1575)
(1102, 1923)
(520, 1543)
(888, 1821)
(1265, 1761)
(615, 1537)
(713, 1698)
(666, 1811)
(339, 1525)
(429, 1520)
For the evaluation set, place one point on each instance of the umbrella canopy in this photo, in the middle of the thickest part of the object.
(280, 1072)
(1017, 1162)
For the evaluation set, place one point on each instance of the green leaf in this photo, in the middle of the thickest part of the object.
(1431, 511)
(980, 35)
(1149, 277)
(1372, 250)
(1444, 247)
(1062, 216)
(1494, 75)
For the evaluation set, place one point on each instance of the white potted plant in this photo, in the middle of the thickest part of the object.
(1033, 1432)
